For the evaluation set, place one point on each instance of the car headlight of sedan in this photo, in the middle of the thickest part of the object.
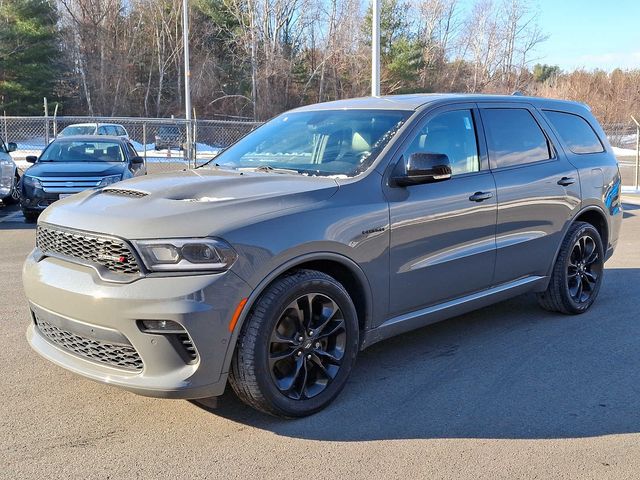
(109, 180)
(31, 181)
(186, 254)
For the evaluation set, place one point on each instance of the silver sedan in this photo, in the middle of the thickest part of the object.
(9, 175)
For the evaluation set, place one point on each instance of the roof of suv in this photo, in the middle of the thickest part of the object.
(416, 100)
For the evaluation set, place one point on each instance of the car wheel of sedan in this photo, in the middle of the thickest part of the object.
(297, 346)
(577, 273)
(30, 217)
(14, 196)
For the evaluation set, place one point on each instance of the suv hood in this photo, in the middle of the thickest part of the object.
(77, 169)
(194, 203)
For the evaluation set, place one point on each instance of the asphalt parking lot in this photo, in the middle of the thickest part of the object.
(509, 392)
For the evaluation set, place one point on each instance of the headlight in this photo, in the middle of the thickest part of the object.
(31, 181)
(186, 254)
(109, 180)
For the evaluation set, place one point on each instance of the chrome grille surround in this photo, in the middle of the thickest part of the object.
(68, 184)
(122, 356)
(110, 253)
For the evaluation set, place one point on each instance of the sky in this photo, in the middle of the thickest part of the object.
(589, 34)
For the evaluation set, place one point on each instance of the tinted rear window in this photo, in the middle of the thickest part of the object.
(575, 132)
(514, 137)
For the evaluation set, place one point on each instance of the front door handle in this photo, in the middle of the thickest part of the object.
(480, 196)
(566, 181)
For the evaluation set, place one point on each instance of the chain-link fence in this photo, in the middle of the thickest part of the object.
(621, 135)
(161, 141)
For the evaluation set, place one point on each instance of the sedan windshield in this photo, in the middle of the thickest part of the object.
(330, 142)
(78, 130)
(82, 151)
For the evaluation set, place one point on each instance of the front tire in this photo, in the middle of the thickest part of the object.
(577, 273)
(30, 217)
(297, 346)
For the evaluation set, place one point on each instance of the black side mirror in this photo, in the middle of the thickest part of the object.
(137, 160)
(12, 147)
(422, 167)
(31, 158)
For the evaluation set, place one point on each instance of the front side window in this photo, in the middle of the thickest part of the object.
(514, 137)
(132, 151)
(324, 142)
(452, 133)
(575, 132)
(79, 151)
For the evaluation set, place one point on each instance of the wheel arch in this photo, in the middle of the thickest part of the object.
(592, 215)
(342, 268)
(596, 217)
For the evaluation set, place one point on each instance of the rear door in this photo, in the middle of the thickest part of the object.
(442, 237)
(538, 189)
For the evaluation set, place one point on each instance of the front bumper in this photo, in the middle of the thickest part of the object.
(36, 200)
(75, 300)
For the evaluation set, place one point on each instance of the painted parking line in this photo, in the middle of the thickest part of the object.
(11, 217)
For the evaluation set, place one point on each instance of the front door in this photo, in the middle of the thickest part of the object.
(443, 234)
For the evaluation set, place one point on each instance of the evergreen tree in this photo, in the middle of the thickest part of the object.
(29, 52)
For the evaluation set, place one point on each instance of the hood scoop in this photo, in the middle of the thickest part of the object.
(124, 192)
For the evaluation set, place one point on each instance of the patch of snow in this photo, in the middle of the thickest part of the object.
(623, 152)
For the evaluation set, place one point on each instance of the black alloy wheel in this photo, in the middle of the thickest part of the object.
(583, 269)
(307, 346)
(297, 346)
(577, 273)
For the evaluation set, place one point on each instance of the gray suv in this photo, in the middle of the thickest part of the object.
(328, 229)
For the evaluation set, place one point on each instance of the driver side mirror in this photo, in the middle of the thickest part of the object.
(12, 147)
(31, 158)
(137, 161)
(422, 167)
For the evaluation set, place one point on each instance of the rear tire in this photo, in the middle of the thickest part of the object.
(297, 346)
(578, 272)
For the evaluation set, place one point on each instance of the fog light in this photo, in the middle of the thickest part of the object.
(160, 326)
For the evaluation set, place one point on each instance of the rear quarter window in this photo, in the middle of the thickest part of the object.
(575, 132)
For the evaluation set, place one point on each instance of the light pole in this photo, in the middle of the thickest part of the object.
(375, 48)
(187, 76)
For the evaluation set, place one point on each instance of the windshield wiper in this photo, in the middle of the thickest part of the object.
(210, 160)
(269, 169)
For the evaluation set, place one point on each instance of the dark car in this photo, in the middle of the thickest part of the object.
(72, 164)
(326, 230)
(170, 136)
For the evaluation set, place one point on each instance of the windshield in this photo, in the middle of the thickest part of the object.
(78, 130)
(331, 142)
(78, 151)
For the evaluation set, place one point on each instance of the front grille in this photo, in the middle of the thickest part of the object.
(124, 192)
(68, 184)
(120, 356)
(113, 254)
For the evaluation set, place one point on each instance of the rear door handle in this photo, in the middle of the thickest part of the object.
(566, 181)
(480, 196)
